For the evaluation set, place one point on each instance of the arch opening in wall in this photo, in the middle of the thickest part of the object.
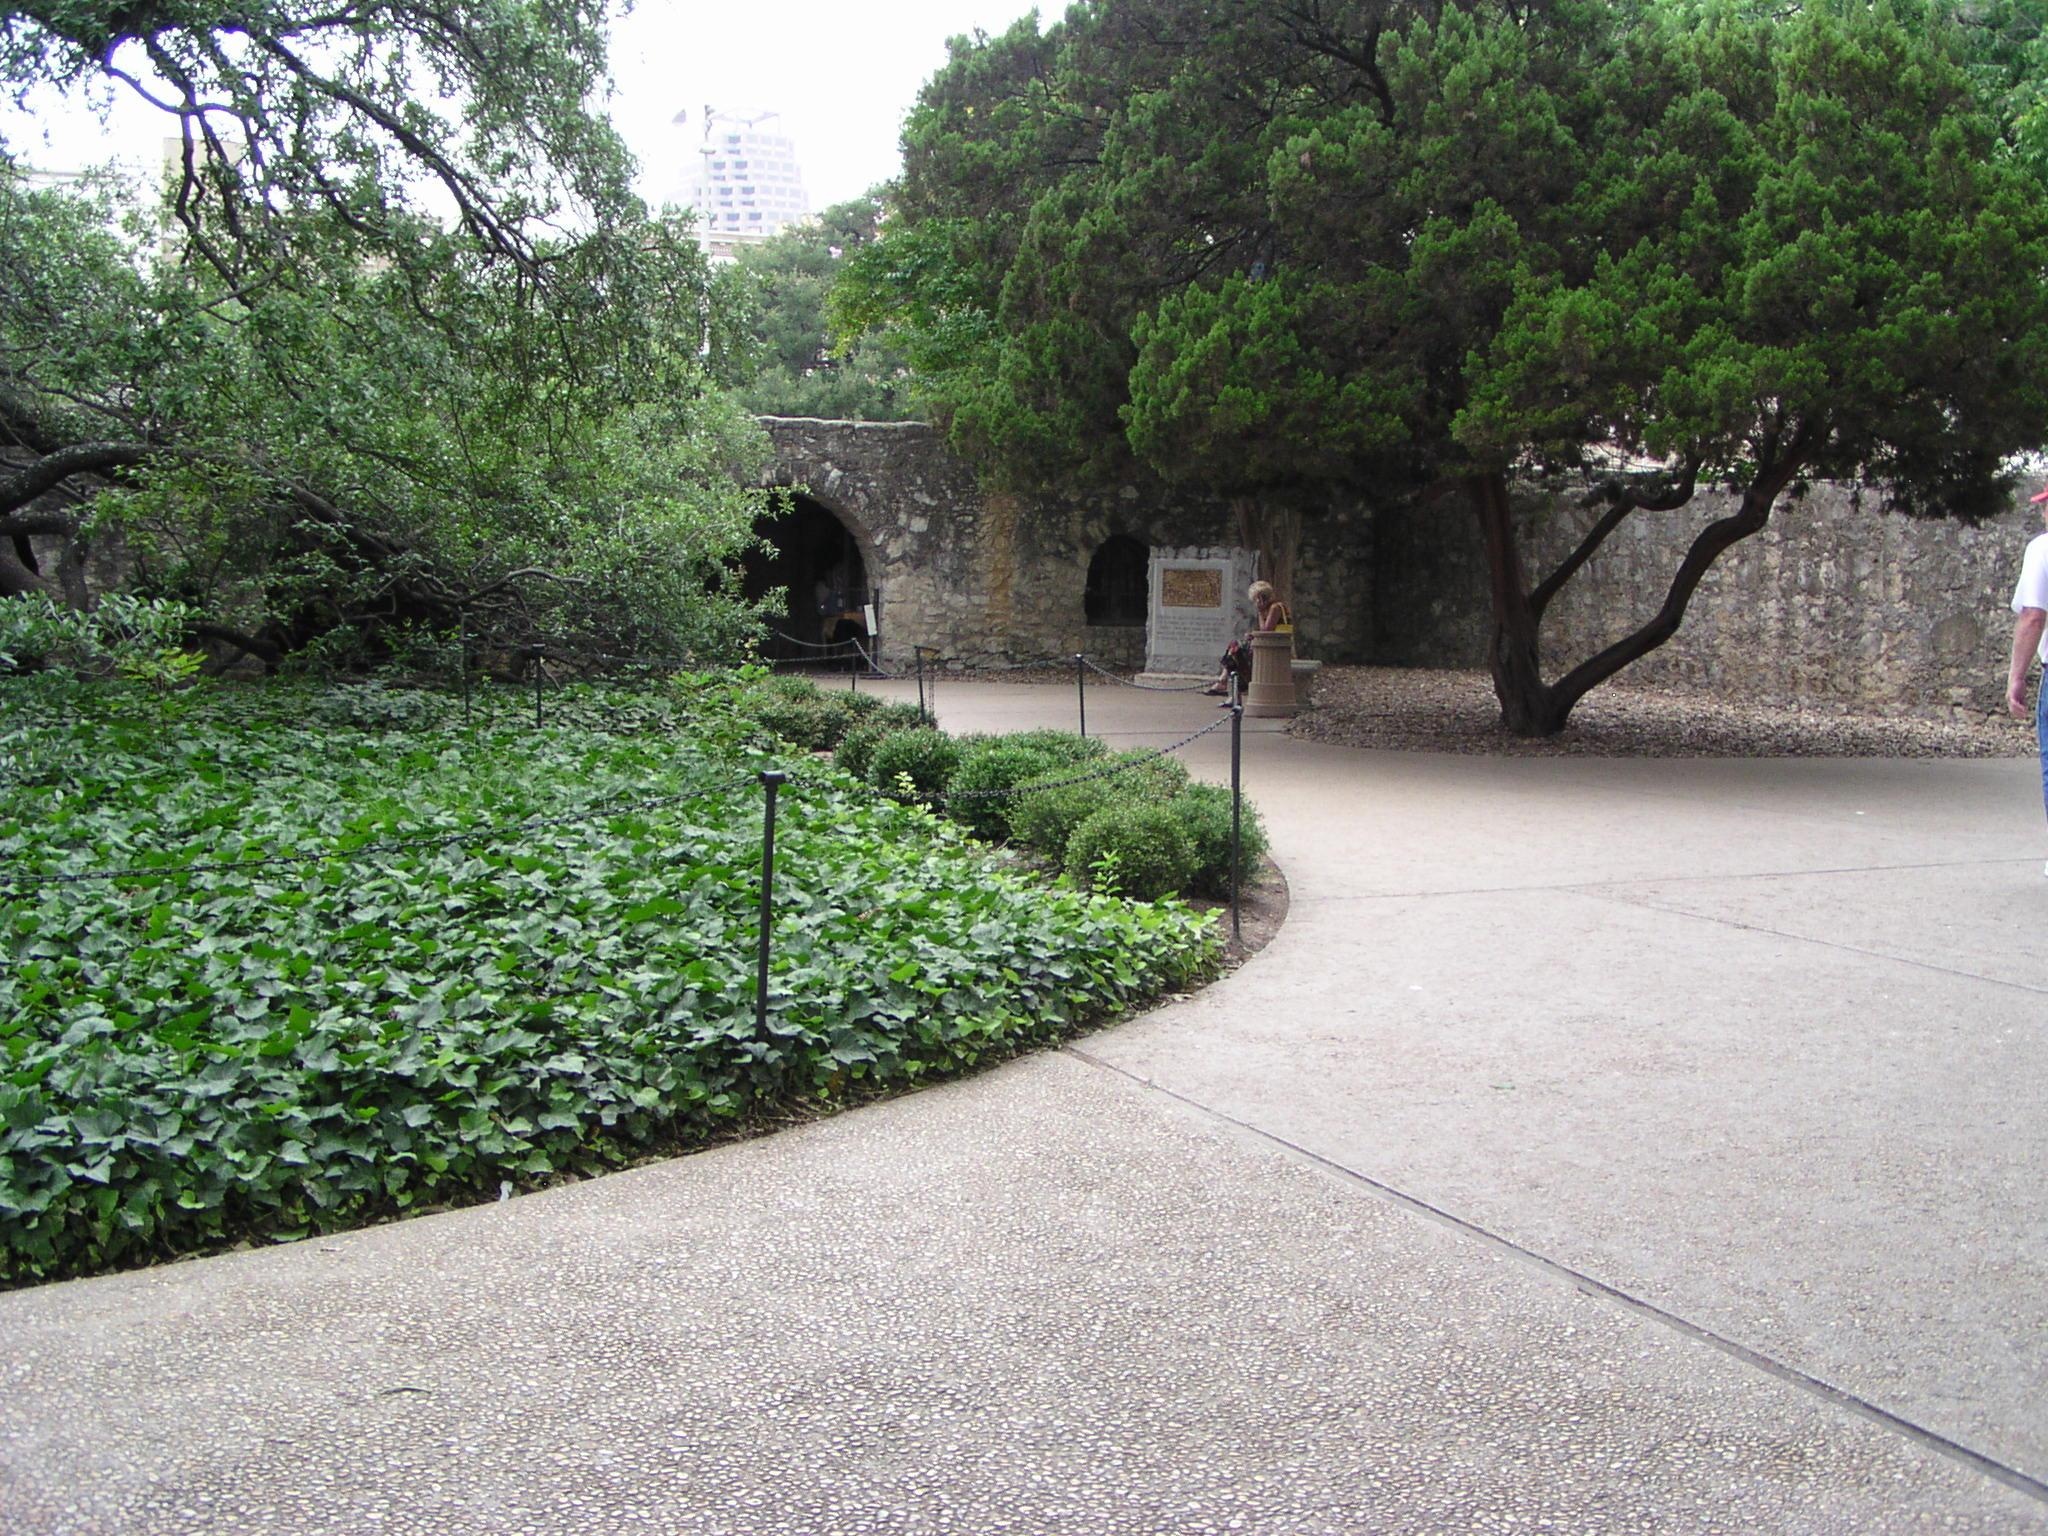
(816, 560)
(1116, 595)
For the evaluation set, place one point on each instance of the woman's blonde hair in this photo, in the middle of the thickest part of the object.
(1259, 589)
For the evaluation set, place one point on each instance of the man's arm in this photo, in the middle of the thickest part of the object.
(2026, 639)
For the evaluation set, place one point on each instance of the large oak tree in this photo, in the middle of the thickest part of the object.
(398, 347)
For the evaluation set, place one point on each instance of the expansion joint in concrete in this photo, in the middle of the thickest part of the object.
(1588, 1285)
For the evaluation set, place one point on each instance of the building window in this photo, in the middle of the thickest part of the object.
(1117, 579)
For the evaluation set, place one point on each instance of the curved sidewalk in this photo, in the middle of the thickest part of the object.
(1600, 1146)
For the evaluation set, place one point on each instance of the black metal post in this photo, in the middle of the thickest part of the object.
(1236, 816)
(1081, 689)
(540, 663)
(771, 781)
(919, 650)
(463, 663)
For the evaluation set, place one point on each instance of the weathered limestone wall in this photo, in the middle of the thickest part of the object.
(1834, 604)
(990, 579)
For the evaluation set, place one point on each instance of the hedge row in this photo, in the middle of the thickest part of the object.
(1128, 822)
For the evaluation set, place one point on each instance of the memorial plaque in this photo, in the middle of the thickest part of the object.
(1197, 595)
(1180, 587)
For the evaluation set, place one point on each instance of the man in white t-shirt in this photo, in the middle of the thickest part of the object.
(2030, 602)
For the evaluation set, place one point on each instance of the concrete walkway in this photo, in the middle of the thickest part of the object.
(1601, 1146)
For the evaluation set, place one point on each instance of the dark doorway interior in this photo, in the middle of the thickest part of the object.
(1116, 582)
(815, 560)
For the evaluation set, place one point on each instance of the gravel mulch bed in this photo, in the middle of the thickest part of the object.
(1422, 710)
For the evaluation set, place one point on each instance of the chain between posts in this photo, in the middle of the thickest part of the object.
(1132, 682)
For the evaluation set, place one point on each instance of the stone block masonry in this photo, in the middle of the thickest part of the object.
(1835, 604)
(991, 579)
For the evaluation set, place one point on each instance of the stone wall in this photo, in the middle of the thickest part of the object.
(1834, 604)
(992, 579)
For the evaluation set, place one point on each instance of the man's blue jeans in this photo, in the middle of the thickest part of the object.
(2041, 735)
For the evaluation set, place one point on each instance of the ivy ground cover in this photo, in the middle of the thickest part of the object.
(356, 959)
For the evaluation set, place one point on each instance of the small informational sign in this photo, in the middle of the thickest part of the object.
(1182, 586)
(1197, 595)
(867, 616)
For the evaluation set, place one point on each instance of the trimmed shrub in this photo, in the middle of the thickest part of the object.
(856, 750)
(1137, 847)
(1043, 818)
(816, 719)
(986, 769)
(811, 724)
(927, 755)
(1147, 775)
(1060, 746)
(1044, 811)
(1203, 811)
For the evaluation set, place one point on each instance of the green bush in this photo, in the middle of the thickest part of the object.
(978, 796)
(1204, 814)
(807, 716)
(1045, 810)
(925, 755)
(1137, 849)
(1060, 746)
(856, 750)
(1145, 775)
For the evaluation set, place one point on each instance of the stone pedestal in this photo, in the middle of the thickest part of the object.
(1271, 694)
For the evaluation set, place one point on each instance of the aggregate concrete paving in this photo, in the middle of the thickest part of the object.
(1601, 1146)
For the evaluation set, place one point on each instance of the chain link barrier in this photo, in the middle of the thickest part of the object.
(1132, 682)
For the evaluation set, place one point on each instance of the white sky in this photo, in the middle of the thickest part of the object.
(840, 74)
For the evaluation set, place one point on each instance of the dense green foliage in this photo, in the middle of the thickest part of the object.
(797, 368)
(360, 961)
(321, 412)
(979, 793)
(803, 714)
(1045, 810)
(1204, 814)
(916, 764)
(1135, 848)
(1296, 254)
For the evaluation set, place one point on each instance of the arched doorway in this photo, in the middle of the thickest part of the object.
(1116, 595)
(816, 560)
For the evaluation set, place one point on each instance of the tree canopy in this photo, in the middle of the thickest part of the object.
(797, 367)
(1286, 252)
(400, 347)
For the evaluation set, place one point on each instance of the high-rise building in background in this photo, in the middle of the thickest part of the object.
(747, 184)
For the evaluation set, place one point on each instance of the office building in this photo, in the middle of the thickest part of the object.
(747, 184)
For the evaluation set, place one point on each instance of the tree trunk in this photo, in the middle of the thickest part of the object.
(1528, 706)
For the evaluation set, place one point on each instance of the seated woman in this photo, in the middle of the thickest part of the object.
(1237, 658)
